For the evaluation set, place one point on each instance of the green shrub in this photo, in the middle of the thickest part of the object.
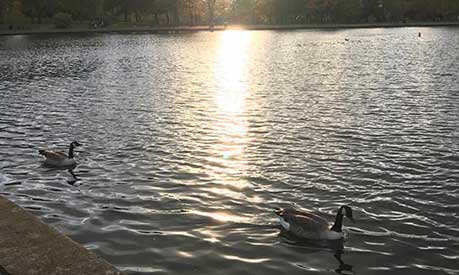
(62, 20)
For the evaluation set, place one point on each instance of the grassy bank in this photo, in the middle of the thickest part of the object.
(47, 29)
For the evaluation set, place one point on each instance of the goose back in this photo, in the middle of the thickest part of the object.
(302, 223)
(57, 158)
(54, 155)
(306, 224)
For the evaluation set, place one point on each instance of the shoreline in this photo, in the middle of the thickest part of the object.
(185, 29)
(29, 246)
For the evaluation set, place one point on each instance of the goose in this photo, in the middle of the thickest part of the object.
(307, 225)
(59, 158)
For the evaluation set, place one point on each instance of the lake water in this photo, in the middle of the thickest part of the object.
(191, 140)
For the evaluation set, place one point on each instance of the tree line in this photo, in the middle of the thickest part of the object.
(203, 12)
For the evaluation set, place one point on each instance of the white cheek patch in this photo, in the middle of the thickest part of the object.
(284, 223)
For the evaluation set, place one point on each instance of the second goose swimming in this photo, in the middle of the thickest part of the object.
(308, 225)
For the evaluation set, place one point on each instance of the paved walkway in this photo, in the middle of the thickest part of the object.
(28, 246)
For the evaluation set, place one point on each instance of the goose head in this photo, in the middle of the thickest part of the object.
(347, 211)
(342, 212)
(75, 144)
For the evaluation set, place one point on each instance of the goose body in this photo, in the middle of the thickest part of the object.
(59, 158)
(307, 225)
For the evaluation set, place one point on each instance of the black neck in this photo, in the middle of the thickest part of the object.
(338, 225)
(71, 151)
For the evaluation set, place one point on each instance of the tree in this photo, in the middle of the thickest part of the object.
(82, 9)
(39, 9)
(211, 9)
(168, 8)
(243, 11)
(188, 9)
(62, 20)
(194, 12)
(265, 11)
(348, 11)
(394, 10)
(5, 6)
(14, 16)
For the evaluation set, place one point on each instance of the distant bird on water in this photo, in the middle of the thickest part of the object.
(59, 158)
(307, 225)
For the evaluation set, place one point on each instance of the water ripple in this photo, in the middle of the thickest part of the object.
(191, 140)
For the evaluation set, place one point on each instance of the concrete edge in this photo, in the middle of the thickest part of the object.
(28, 246)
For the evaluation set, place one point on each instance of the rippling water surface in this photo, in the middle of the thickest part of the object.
(190, 141)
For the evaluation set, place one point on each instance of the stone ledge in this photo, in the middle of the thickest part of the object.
(28, 246)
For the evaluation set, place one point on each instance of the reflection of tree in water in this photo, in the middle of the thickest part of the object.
(336, 246)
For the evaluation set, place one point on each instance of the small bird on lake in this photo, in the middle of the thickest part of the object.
(308, 225)
(59, 158)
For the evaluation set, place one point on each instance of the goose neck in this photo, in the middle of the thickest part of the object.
(71, 151)
(338, 225)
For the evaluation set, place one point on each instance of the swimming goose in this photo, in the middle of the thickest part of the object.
(307, 225)
(58, 158)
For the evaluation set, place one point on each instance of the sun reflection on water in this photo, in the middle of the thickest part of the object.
(221, 216)
(230, 99)
(232, 71)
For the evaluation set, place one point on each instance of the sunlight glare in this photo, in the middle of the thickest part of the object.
(221, 216)
(232, 66)
(230, 123)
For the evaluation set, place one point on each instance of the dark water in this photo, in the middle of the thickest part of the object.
(191, 140)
